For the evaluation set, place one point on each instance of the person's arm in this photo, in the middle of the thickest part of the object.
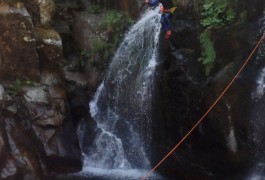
(152, 2)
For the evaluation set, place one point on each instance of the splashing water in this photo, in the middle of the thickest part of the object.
(258, 114)
(122, 107)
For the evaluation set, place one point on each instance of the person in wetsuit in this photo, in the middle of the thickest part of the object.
(167, 10)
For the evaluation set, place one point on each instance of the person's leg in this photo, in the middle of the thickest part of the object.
(162, 20)
(167, 25)
(167, 21)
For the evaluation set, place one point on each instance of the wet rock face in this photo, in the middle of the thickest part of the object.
(37, 133)
(185, 93)
(2, 92)
(46, 116)
(79, 103)
(129, 6)
(47, 9)
(18, 40)
(49, 48)
(24, 152)
(17, 46)
(254, 8)
(19, 153)
(37, 127)
(188, 8)
(41, 10)
(85, 29)
(52, 125)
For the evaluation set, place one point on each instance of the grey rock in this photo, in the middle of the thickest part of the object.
(36, 95)
(2, 92)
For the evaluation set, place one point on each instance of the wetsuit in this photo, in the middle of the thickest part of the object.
(165, 18)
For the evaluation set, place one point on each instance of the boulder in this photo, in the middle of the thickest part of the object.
(25, 153)
(53, 126)
(20, 155)
(9, 171)
(36, 95)
(50, 79)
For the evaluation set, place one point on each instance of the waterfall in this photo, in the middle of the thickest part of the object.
(231, 139)
(258, 114)
(122, 106)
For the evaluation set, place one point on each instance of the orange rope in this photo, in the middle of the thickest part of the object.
(207, 112)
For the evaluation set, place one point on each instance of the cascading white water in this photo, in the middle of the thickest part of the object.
(231, 139)
(122, 106)
(258, 114)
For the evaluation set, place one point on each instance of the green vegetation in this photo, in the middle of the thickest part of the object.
(230, 15)
(17, 86)
(42, 33)
(208, 53)
(242, 16)
(84, 56)
(94, 9)
(104, 48)
(215, 15)
(100, 49)
(115, 23)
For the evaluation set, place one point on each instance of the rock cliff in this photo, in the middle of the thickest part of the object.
(53, 55)
(186, 90)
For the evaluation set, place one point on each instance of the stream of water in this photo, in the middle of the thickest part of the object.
(122, 107)
(258, 114)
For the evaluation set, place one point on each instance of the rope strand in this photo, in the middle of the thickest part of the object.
(207, 112)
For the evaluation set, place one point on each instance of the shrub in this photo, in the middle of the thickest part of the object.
(115, 23)
(98, 47)
(216, 14)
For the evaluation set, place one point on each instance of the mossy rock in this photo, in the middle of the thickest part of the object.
(42, 33)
